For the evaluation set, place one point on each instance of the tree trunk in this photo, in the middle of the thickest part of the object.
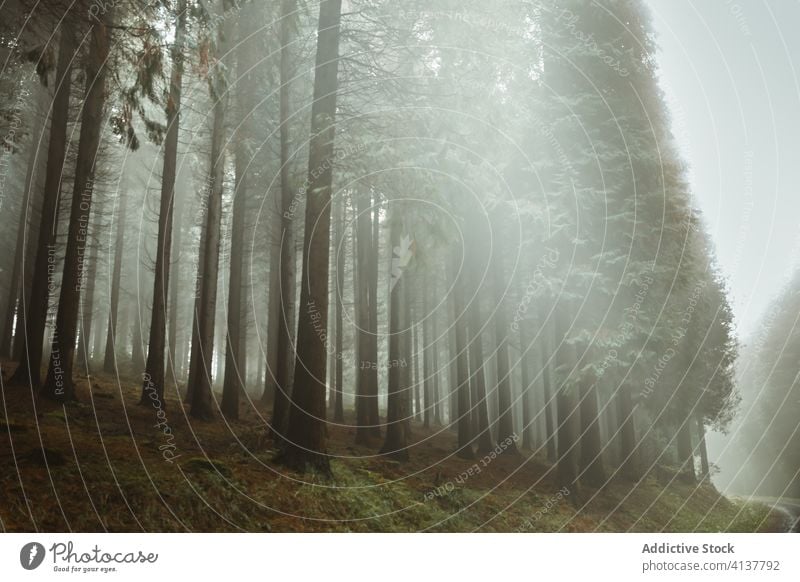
(396, 444)
(289, 201)
(547, 389)
(16, 286)
(505, 423)
(435, 372)
(236, 353)
(685, 450)
(462, 364)
(591, 459)
(218, 89)
(306, 445)
(195, 352)
(110, 360)
(373, 415)
(338, 407)
(153, 380)
(362, 310)
(34, 313)
(413, 361)
(701, 443)
(87, 309)
(526, 350)
(174, 365)
(627, 430)
(483, 437)
(137, 349)
(427, 359)
(566, 409)
(58, 385)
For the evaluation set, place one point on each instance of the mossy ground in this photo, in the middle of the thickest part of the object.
(100, 465)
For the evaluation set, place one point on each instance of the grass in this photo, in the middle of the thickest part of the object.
(100, 465)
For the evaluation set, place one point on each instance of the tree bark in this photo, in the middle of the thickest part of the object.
(362, 310)
(110, 360)
(87, 309)
(627, 430)
(396, 444)
(591, 458)
(566, 410)
(153, 379)
(306, 446)
(463, 420)
(373, 414)
(505, 423)
(34, 313)
(705, 473)
(526, 351)
(289, 201)
(236, 353)
(685, 450)
(59, 385)
(338, 407)
(202, 396)
(16, 287)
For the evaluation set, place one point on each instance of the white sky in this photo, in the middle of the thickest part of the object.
(731, 71)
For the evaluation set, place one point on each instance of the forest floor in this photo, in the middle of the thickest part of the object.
(105, 464)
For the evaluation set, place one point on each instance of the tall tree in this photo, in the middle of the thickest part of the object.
(110, 359)
(34, 311)
(153, 384)
(59, 385)
(236, 352)
(398, 411)
(201, 405)
(285, 349)
(305, 446)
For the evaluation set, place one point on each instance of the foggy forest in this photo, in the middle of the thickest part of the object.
(369, 265)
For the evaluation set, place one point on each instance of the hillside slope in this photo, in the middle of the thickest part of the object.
(109, 464)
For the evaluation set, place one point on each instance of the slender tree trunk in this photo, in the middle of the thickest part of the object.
(173, 366)
(373, 415)
(137, 349)
(286, 349)
(413, 361)
(591, 458)
(59, 385)
(195, 352)
(362, 309)
(701, 443)
(202, 396)
(236, 353)
(526, 350)
(34, 313)
(462, 363)
(435, 372)
(627, 430)
(306, 445)
(16, 286)
(547, 377)
(566, 410)
(505, 423)
(685, 450)
(87, 309)
(153, 380)
(338, 407)
(483, 437)
(110, 360)
(396, 444)
(427, 351)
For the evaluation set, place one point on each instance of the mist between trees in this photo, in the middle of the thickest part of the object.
(470, 218)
